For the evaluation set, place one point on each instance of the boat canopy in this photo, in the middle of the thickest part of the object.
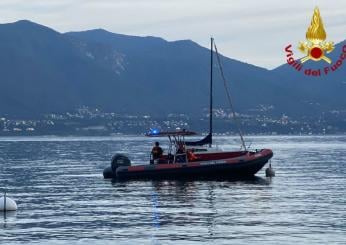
(207, 140)
(156, 133)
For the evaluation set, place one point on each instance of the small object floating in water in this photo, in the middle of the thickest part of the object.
(7, 204)
(270, 171)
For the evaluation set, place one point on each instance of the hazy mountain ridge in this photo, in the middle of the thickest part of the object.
(45, 71)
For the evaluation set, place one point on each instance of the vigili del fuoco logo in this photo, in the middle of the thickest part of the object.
(316, 49)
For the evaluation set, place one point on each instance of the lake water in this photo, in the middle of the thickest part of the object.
(63, 199)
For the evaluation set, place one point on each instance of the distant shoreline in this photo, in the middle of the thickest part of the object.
(48, 137)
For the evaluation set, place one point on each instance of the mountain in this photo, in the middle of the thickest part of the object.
(44, 71)
(174, 75)
(41, 72)
(177, 75)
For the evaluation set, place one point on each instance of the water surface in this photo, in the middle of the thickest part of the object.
(63, 198)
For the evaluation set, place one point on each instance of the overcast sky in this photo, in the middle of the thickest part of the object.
(249, 30)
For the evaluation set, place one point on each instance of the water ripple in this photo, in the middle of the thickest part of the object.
(62, 197)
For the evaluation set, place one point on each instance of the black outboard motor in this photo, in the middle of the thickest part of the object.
(118, 160)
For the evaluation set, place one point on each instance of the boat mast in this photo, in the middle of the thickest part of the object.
(229, 98)
(211, 92)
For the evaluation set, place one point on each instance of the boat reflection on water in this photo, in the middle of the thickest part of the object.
(170, 202)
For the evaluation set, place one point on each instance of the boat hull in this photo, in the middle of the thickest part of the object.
(240, 167)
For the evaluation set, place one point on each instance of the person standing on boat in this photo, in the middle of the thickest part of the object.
(156, 152)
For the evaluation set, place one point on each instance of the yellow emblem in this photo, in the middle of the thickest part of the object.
(316, 47)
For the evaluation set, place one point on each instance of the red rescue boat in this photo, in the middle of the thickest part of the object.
(183, 161)
(186, 159)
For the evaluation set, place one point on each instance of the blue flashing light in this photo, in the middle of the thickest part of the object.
(154, 131)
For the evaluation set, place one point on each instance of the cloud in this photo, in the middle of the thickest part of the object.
(252, 31)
